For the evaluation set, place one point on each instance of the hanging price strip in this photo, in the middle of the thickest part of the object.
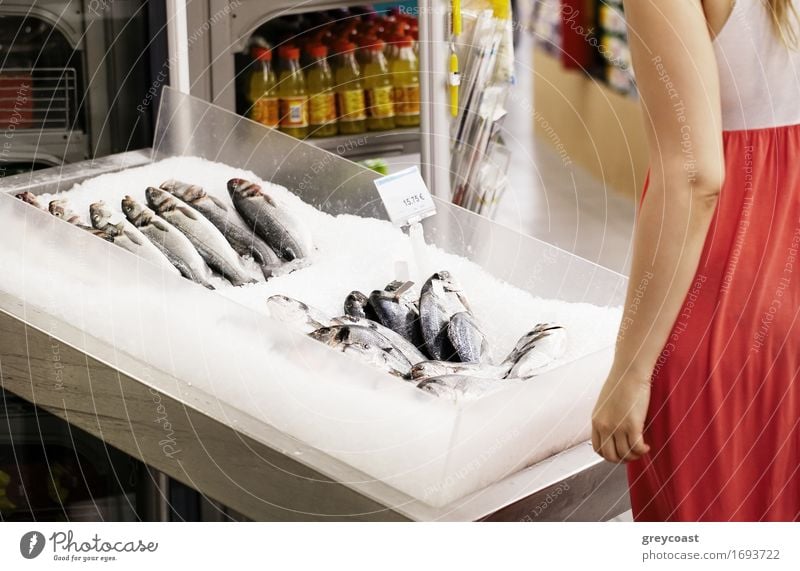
(405, 196)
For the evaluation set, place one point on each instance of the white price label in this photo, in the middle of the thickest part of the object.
(405, 196)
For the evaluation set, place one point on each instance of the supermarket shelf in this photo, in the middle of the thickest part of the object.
(366, 145)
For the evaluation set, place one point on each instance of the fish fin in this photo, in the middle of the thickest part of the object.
(218, 202)
(133, 237)
(191, 214)
(160, 225)
(269, 200)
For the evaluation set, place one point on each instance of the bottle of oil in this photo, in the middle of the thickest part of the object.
(378, 89)
(322, 99)
(405, 75)
(350, 91)
(293, 95)
(262, 90)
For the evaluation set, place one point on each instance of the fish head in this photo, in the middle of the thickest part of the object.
(428, 369)
(60, 209)
(438, 387)
(241, 188)
(29, 197)
(132, 210)
(99, 213)
(159, 200)
(355, 302)
(183, 190)
(285, 307)
(332, 336)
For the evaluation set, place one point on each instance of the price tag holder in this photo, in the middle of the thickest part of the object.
(405, 196)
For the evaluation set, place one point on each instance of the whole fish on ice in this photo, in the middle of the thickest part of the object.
(541, 353)
(302, 317)
(30, 198)
(460, 387)
(356, 304)
(127, 236)
(407, 348)
(241, 238)
(171, 241)
(60, 209)
(467, 338)
(367, 344)
(285, 235)
(205, 237)
(440, 300)
(397, 312)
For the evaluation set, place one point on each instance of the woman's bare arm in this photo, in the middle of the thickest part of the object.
(676, 74)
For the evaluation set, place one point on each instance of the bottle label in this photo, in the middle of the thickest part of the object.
(352, 105)
(379, 102)
(294, 112)
(266, 111)
(322, 108)
(406, 100)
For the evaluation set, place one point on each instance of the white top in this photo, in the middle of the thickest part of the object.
(759, 76)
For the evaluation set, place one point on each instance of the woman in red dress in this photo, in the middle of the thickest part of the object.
(703, 398)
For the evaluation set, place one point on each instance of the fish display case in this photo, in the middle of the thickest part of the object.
(264, 420)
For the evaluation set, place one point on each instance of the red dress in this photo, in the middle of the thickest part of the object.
(724, 417)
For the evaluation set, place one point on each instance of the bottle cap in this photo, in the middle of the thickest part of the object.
(289, 52)
(262, 54)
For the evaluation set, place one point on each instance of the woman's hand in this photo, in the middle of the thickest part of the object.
(618, 418)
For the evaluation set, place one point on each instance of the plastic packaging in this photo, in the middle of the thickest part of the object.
(378, 89)
(263, 90)
(293, 95)
(405, 75)
(350, 91)
(322, 98)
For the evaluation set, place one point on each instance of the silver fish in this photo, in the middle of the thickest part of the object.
(367, 343)
(460, 387)
(127, 236)
(240, 237)
(441, 298)
(356, 304)
(541, 354)
(302, 317)
(286, 236)
(398, 313)
(60, 209)
(427, 369)
(467, 338)
(171, 241)
(407, 348)
(209, 241)
(30, 198)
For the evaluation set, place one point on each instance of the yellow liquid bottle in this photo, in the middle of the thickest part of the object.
(262, 90)
(293, 95)
(350, 92)
(378, 88)
(405, 75)
(321, 96)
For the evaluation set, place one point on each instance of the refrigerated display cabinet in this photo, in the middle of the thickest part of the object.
(269, 456)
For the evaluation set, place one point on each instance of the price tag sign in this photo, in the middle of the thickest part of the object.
(405, 196)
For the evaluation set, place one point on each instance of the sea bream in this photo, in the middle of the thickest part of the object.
(541, 353)
(127, 236)
(356, 304)
(367, 344)
(205, 237)
(408, 349)
(460, 387)
(467, 338)
(398, 312)
(239, 236)
(285, 235)
(172, 243)
(300, 316)
(440, 300)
